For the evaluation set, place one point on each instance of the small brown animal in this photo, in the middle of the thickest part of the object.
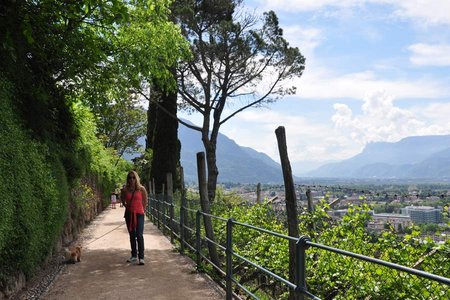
(73, 255)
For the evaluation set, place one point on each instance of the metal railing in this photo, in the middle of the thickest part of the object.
(162, 214)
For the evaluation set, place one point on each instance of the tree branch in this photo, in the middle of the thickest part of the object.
(252, 103)
(167, 112)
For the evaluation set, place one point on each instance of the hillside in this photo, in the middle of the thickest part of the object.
(235, 163)
(411, 157)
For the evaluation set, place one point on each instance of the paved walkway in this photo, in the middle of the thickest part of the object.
(104, 274)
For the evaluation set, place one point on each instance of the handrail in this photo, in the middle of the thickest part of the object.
(302, 244)
(416, 272)
(267, 231)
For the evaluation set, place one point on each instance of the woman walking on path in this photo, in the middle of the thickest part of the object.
(134, 198)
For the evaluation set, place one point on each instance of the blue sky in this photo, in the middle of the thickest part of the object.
(376, 70)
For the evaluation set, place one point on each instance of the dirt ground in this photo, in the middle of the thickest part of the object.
(103, 272)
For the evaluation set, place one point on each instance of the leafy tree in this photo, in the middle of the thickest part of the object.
(121, 124)
(236, 64)
(144, 47)
(54, 53)
(152, 46)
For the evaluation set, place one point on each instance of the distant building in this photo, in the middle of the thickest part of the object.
(397, 221)
(423, 214)
(338, 213)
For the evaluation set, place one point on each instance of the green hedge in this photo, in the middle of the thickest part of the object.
(33, 202)
(36, 180)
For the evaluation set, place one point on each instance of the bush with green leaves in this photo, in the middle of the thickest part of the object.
(330, 275)
(37, 181)
(33, 191)
(109, 169)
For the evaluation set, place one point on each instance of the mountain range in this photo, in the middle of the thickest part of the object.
(415, 157)
(236, 164)
(411, 157)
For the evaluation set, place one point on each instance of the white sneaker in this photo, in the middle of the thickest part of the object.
(141, 261)
(132, 259)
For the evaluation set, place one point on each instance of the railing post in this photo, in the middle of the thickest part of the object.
(182, 228)
(169, 181)
(153, 209)
(171, 223)
(229, 260)
(149, 207)
(197, 234)
(300, 281)
(164, 221)
(158, 210)
(182, 211)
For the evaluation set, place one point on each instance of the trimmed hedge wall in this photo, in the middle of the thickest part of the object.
(34, 193)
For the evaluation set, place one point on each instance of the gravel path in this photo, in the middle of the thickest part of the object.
(104, 274)
(49, 271)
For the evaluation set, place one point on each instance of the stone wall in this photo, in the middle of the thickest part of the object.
(85, 203)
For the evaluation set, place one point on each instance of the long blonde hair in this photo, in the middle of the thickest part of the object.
(137, 182)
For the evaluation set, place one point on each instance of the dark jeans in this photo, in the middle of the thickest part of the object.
(136, 236)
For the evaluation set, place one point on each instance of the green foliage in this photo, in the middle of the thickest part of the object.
(240, 60)
(35, 186)
(102, 161)
(52, 52)
(34, 192)
(143, 165)
(264, 249)
(330, 275)
(121, 124)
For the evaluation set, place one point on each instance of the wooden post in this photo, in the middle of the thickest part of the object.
(310, 201)
(258, 193)
(153, 186)
(170, 200)
(183, 215)
(204, 202)
(291, 204)
(163, 209)
(312, 227)
(149, 204)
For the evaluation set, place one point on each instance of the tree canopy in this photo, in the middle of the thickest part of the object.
(239, 61)
(64, 66)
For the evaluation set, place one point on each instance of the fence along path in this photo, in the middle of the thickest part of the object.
(104, 274)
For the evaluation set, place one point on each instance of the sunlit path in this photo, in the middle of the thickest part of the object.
(104, 274)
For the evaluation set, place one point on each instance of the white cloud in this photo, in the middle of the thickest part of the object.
(343, 116)
(317, 139)
(430, 55)
(306, 39)
(308, 5)
(424, 12)
(438, 113)
(381, 120)
(321, 83)
(306, 139)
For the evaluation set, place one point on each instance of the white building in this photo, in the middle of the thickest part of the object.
(423, 214)
(397, 221)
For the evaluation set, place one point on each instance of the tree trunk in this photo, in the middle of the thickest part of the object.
(213, 171)
(151, 124)
(204, 201)
(166, 147)
(291, 203)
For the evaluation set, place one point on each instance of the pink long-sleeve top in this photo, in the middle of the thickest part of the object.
(134, 205)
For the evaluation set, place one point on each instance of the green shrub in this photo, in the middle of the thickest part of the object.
(33, 201)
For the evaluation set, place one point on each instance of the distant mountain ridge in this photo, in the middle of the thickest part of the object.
(411, 157)
(236, 164)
